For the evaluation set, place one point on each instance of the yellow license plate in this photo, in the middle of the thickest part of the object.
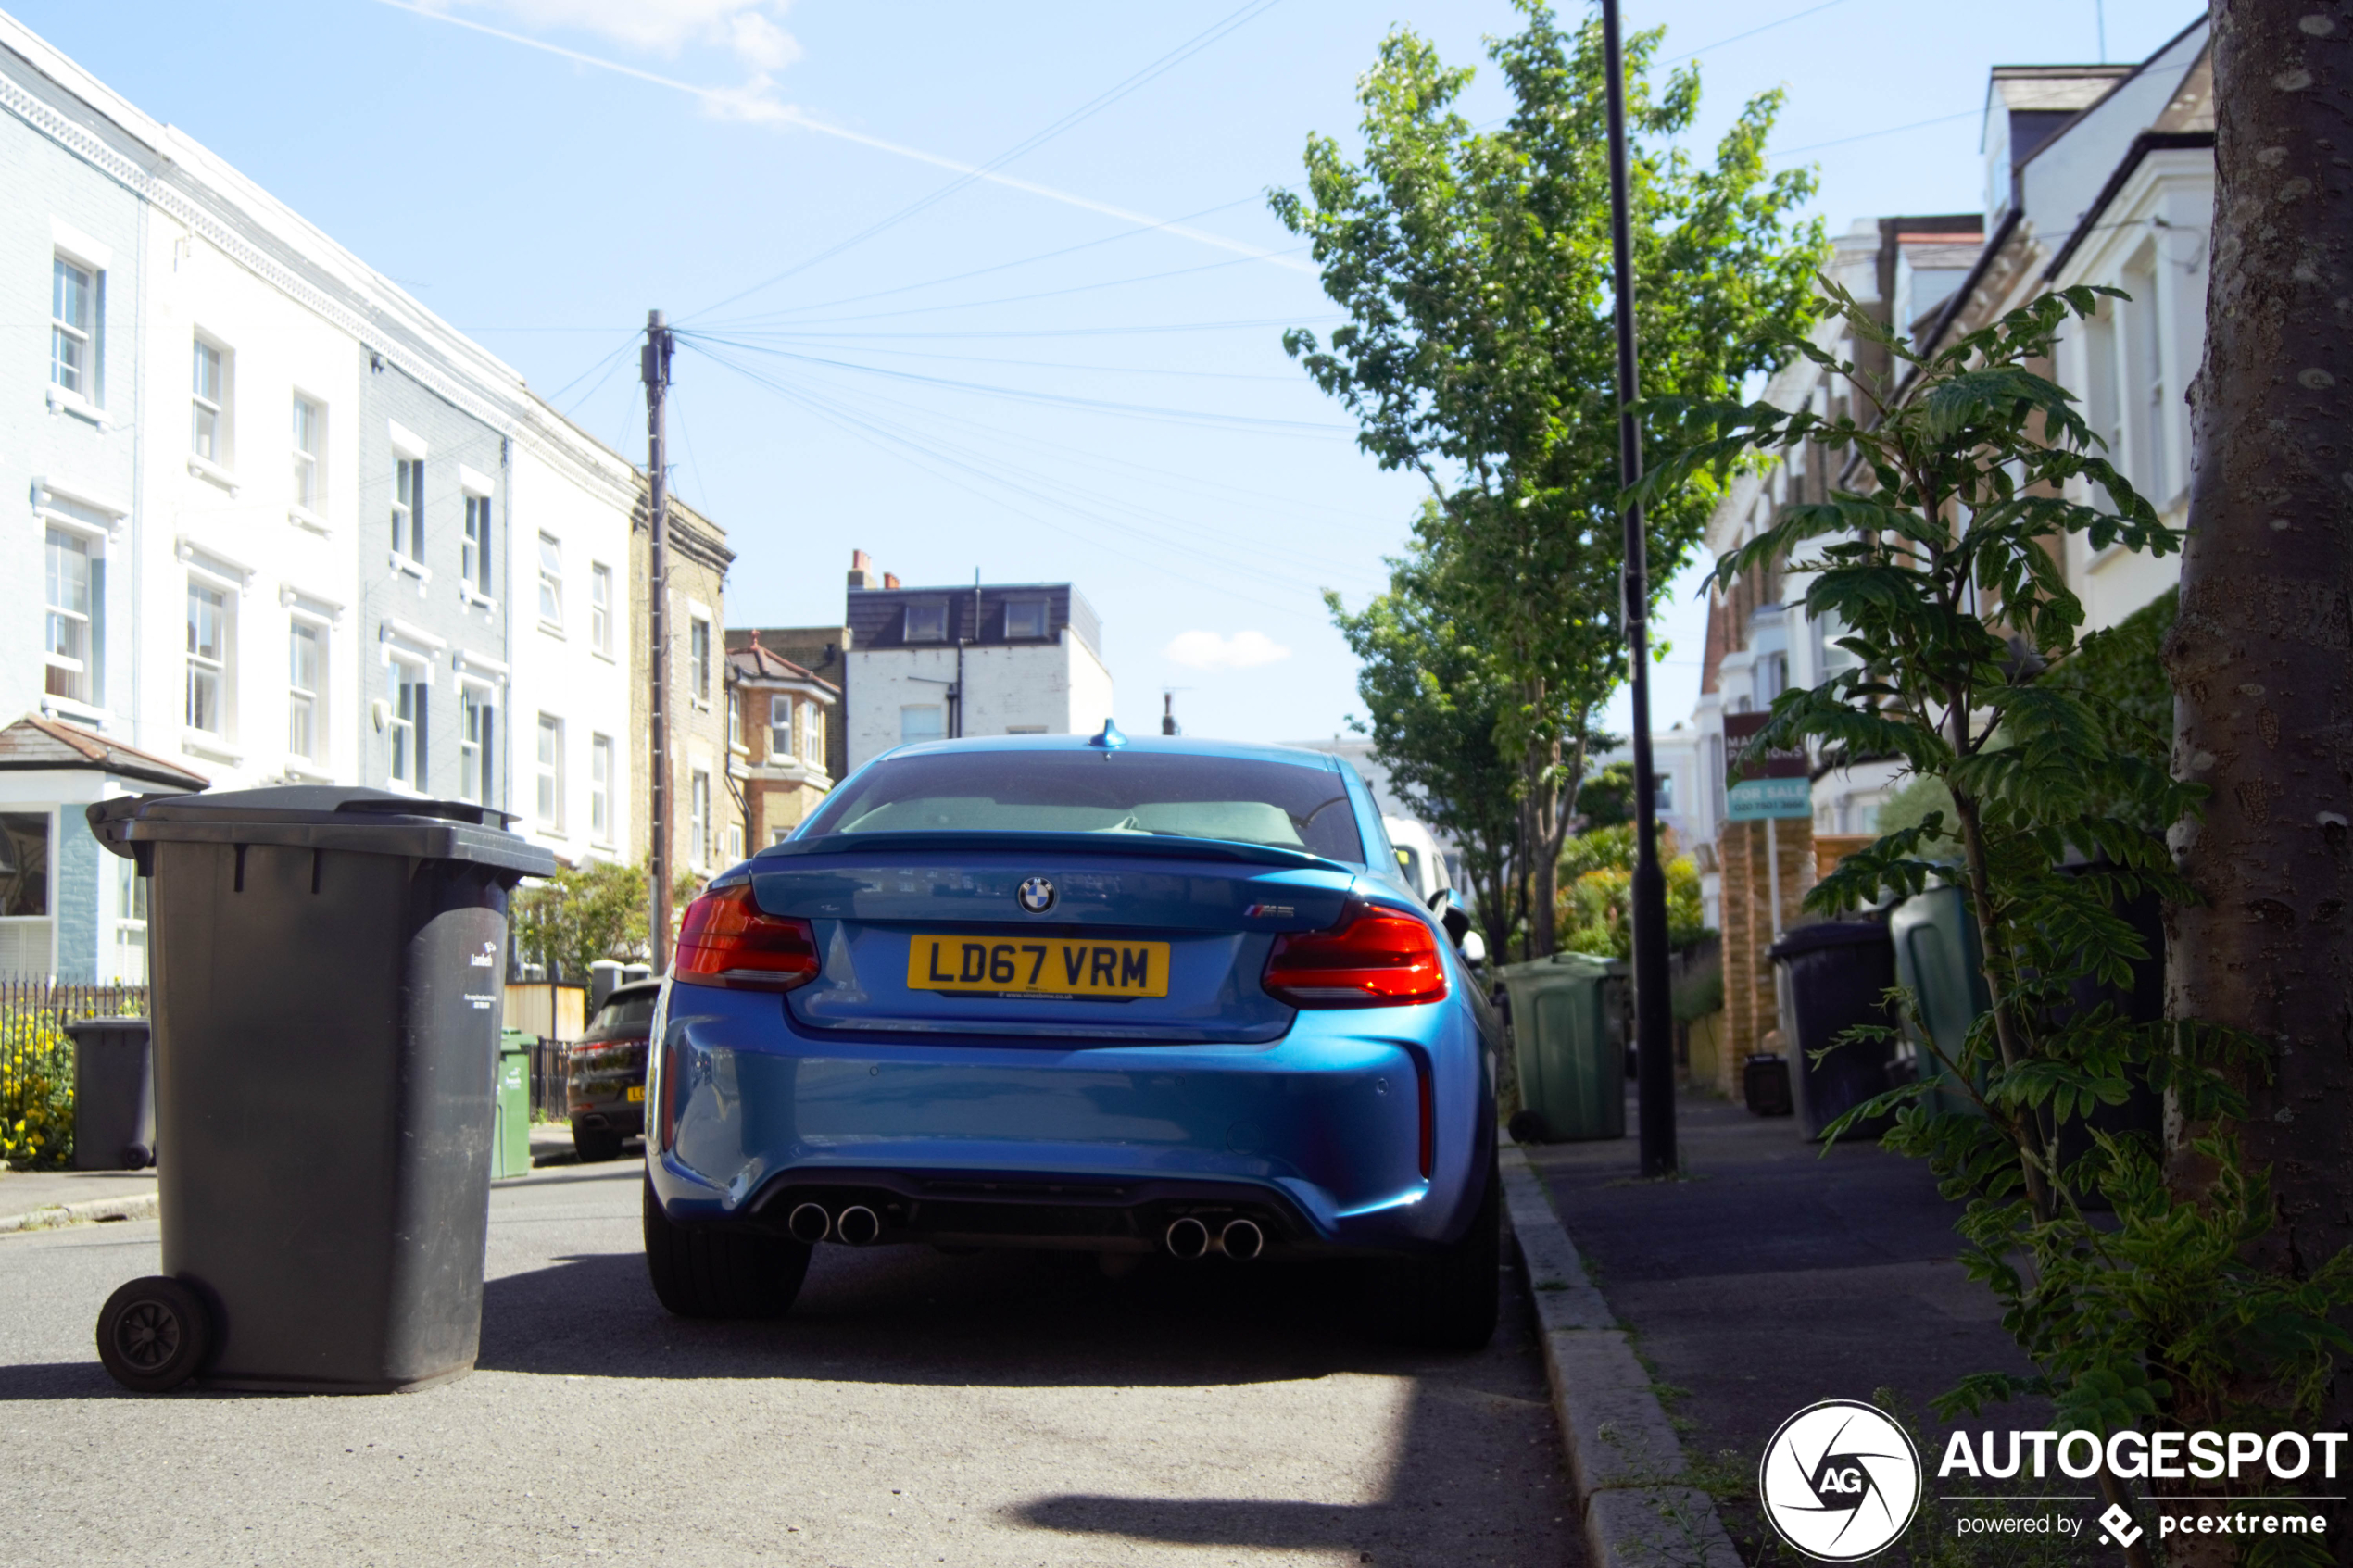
(1037, 967)
(636, 1093)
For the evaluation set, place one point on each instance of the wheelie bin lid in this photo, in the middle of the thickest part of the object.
(1577, 966)
(1828, 933)
(373, 822)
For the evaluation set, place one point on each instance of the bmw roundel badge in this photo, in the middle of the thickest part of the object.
(1036, 894)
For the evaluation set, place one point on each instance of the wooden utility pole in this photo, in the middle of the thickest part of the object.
(1654, 1028)
(2262, 654)
(654, 365)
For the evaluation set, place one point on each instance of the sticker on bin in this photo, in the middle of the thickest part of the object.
(480, 1003)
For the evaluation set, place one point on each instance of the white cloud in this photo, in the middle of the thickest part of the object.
(745, 27)
(1207, 650)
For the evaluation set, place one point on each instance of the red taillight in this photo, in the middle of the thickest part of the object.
(725, 940)
(1374, 958)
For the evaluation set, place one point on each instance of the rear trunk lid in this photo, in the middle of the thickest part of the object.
(1052, 937)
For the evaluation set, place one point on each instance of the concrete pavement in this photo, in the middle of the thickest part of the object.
(916, 1408)
(1773, 1275)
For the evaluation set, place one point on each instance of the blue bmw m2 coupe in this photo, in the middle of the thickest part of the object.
(1094, 993)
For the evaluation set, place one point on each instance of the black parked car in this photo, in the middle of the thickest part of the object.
(605, 1081)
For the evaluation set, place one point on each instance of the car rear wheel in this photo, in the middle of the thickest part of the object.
(1450, 1301)
(712, 1271)
(595, 1144)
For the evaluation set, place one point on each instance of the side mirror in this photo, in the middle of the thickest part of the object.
(1474, 948)
(1450, 914)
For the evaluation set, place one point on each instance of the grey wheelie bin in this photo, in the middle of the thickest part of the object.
(327, 967)
(1938, 960)
(114, 1094)
(1835, 975)
(1570, 1047)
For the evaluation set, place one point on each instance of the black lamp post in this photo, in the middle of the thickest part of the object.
(1654, 1028)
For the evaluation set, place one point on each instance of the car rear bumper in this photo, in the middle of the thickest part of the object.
(1317, 1136)
(619, 1117)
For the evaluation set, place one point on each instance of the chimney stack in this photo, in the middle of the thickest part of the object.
(862, 570)
(891, 579)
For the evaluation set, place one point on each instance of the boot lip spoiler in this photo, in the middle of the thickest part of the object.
(1136, 846)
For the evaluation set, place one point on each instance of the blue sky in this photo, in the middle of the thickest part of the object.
(1071, 371)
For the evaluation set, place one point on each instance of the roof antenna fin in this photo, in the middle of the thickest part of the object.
(1108, 737)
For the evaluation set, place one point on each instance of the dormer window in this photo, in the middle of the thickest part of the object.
(1025, 620)
(927, 622)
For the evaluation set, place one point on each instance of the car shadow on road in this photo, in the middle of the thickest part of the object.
(1474, 1476)
(910, 1314)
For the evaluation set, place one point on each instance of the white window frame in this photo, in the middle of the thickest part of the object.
(600, 779)
(551, 583)
(79, 671)
(698, 815)
(477, 740)
(547, 772)
(735, 719)
(47, 919)
(307, 460)
(927, 609)
(812, 718)
(601, 608)
(412, 728)
(698, 643)
(314, 700)
(211, 417)
(130, 923)
(221, 666)
(782, 738)
(474, 551)
(408, 511)
(87, 333)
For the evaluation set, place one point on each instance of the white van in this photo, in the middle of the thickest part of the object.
(1417, 852)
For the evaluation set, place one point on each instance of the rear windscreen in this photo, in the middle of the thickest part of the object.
(622, 1018)
(1246, 801)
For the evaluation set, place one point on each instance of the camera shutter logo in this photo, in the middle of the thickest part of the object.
(1036, 894)
(1839, 1480)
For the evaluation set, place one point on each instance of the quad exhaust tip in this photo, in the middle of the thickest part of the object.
(857, 1225)
(1190, 1239)
(1186, 1238)
(809, 1224)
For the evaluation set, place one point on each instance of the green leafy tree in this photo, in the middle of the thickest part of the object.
(1473, 266)
(1971, 670)
(581, 915)
(1434, 698)
(1596, 912)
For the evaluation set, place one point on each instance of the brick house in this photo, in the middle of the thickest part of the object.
(782, 725)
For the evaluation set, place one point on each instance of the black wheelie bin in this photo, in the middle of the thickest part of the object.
(327, 966)
(1835, 974)
(114, 1094)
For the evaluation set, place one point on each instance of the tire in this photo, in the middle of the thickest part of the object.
(1528, 1126)
(712, 1271)
(593, 1147)
(153, 1335)
(1450, 1301)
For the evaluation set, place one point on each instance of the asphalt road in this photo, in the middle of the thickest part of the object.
(916, 1408)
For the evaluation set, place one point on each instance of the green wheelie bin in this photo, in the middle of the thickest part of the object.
(1938, 960)
(1569, 1040)
(510, 1145)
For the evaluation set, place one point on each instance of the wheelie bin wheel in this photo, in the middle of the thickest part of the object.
(152, 1334)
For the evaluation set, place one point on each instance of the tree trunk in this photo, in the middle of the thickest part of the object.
(2261, 656)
